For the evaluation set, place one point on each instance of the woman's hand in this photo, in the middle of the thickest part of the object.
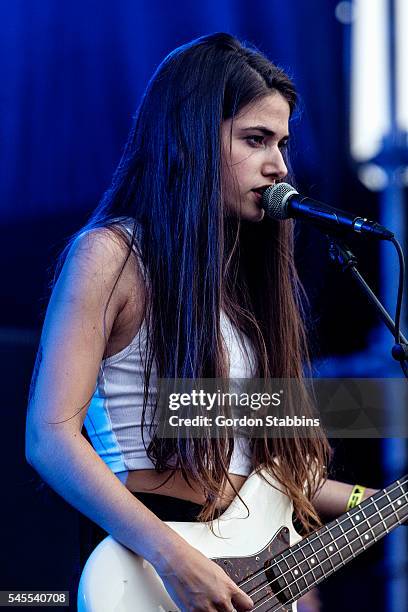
(197, 584)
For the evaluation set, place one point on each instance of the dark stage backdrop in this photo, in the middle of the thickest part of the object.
(72, 76)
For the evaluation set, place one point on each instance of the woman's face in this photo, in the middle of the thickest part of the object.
(252, 154)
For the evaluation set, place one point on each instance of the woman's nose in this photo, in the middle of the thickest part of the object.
(275, 166)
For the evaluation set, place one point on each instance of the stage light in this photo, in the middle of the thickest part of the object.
(370, 117)
(401, 42)
(344, 12)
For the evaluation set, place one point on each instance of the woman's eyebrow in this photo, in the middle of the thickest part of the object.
(264, 130)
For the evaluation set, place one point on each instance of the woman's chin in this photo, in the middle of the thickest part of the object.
(246, 213)
(254, 215)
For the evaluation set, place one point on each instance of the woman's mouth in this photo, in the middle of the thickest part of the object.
(259, 193)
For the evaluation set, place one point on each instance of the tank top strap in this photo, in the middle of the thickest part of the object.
(130, 225)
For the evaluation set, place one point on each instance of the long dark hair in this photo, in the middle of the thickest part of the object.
(199, 262)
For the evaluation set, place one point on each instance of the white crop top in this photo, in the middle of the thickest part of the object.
(113, 420)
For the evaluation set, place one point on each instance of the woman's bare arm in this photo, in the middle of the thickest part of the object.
(331, 500)
(71, 349)
(72, 346)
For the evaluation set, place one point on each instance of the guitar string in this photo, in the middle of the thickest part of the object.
(366, 520)
(313, 537)
(333, 569)
(324, 575)
(338, 523)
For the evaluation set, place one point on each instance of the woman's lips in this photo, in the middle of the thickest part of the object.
(258, 197)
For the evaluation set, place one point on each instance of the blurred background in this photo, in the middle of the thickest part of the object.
(72, 76)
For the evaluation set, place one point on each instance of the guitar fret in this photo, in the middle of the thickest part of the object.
(403, 491)
(349, 545)
(309, 560)
(369, 510)
(337, 558)
(381, 500)
(292, 569)
(299, 571)
(308, 549)
(366, 536)
(318, 538)
(316, 542)
(289, 558)
(405, 499)
(390, 512)
(394, 494)
(330, 548)
(391, 502)
(279, 579)
(317, 568)
(357, 536)
(283, 560)
(290, 595)
(310, 570)
(321, 554)
(306, 575)
(300, 581)
(391, 520)
(341, 540)
(314, 561)
(356, 520)
(336, 545)
(380, 516)
(379, 530)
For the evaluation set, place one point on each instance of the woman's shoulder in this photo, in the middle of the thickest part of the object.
(107, 234)
(111, 241)
(102, 257)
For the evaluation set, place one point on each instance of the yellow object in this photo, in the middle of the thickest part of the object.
(356, 497)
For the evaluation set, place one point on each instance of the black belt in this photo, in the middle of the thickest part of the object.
(170, 508)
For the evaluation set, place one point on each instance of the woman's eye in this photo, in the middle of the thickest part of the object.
(255, 141)
(283, 145)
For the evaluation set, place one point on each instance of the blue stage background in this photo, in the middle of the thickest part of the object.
(72, 76)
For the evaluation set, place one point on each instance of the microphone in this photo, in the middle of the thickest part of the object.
(282, 201)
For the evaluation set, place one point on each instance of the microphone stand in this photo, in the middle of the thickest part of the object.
(341, 255)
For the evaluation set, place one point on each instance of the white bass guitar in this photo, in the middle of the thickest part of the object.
(261, 551)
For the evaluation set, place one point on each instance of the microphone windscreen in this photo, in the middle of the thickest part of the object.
(274, 200)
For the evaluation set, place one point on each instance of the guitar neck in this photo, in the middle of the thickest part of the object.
(300, 567)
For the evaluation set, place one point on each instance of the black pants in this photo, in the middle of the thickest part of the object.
(165, 507)
(170, 508)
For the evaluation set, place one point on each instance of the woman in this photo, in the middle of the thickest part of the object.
(178, 275)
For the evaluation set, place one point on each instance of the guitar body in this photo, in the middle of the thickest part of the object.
(114, 578)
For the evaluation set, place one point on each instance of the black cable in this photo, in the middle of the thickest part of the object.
(398, 343)
(343, 256)
(400, 289)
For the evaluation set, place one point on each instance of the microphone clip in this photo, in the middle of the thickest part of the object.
(341, 254)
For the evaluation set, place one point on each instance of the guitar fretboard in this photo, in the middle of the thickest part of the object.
(309, 562)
